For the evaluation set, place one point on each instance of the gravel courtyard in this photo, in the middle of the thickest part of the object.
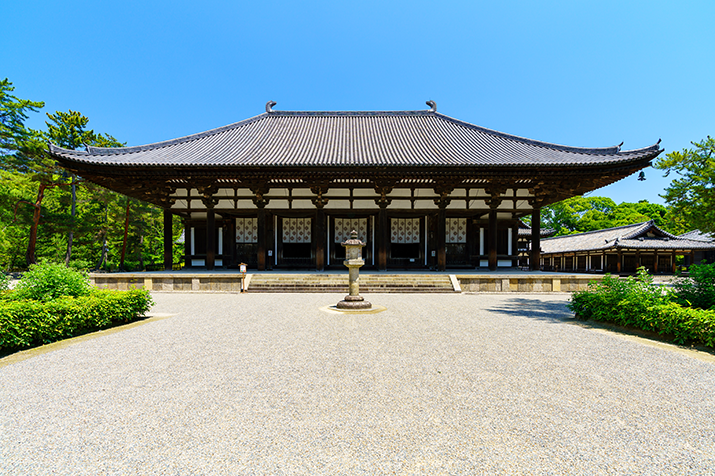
(436, 384)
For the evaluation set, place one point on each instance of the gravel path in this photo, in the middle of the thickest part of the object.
(436, 384)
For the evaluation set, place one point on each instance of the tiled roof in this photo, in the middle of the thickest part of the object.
(628, 236)
(525, 231)
(396, 138)
(698, 235)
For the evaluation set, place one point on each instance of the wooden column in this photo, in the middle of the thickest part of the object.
(515, 244)
(619, 265)
(442, 236)
(210, 237)
(535, 258)
(638, 259)
(655, 263)
(492, 241)
(320, 239)
(168, 240)
(187, 244)
(383, 234)
(319, 188)
(262, 235)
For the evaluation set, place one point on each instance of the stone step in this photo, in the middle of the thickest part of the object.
(423, 283)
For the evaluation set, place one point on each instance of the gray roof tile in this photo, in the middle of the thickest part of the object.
(396, 138)
(628, 236)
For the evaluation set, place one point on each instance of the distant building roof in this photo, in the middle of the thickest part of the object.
(342, 138)
(698, 235)
(646, 235)
(525, 231)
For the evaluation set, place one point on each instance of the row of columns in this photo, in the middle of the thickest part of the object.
(382, 237)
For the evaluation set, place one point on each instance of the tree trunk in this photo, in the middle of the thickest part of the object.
(103, 256)
(126, 234)
(141, 258)
(73, 210)
(32, 244)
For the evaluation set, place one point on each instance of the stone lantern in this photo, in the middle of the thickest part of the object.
(353, 260)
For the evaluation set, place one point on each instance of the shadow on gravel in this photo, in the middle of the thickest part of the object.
(536, 309)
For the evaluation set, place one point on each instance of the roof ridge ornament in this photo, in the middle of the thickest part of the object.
(269, 106)
(432, 105)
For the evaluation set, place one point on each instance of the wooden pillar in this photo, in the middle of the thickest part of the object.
(638, 259)
(442, 237)
(262, 235)
(692, 258)
(187, 244)
(535, 239)
(515, 245)
(655, 263)
(210, 238)
(620, 261)
(383, 234)
(672, 262)
(492, 241)
(603, 262)
(320, 239)
(168, 240)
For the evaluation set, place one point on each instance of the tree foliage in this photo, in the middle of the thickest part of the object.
(692, 195)
(48, 214)
(581, 214)
(13, 114)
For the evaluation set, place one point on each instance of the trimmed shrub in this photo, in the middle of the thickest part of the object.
(49, 281)
(697, 289)
(637, 303)
(29, 323)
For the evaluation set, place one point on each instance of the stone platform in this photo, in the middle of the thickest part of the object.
(370, 282)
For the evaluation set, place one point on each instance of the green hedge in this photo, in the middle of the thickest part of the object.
(29, 323)
(637, 303)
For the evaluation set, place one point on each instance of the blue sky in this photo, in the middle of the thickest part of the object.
(583, 73)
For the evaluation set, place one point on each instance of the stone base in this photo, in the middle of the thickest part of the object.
(353, 302)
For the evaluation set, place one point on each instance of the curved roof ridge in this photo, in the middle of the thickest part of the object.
(352, 113)
(647, 225)
(537, 143)
(158, 145)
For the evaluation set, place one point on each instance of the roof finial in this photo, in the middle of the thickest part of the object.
(269, 106)
(432, 105)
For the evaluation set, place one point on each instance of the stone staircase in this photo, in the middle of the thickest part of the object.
(338, 283)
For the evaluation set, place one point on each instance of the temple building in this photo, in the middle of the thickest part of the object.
(283, 189)
(701, 255)
(622, 249)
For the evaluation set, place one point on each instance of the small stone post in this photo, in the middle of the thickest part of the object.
(353, 255)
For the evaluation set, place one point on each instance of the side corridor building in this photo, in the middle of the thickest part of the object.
(283, 189)
(623, 249)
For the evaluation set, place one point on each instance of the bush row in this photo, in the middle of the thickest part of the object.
(26, 323)
(637, 303)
